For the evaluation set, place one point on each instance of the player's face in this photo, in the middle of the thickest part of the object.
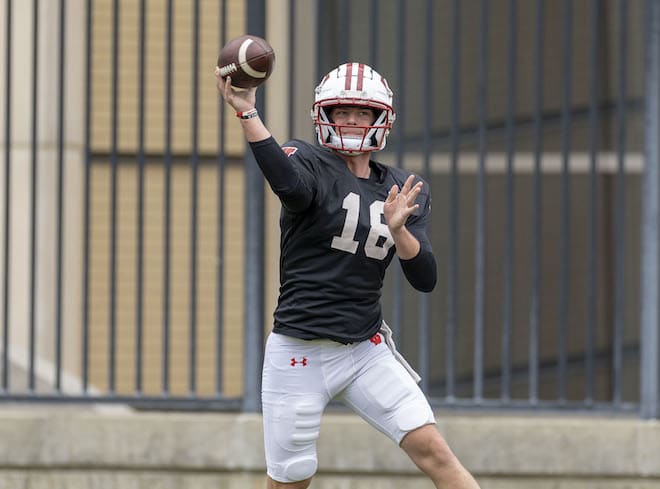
(360, 117)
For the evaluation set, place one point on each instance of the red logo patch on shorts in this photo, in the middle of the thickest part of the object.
(302, 362)
(376, 339)
(289, 150)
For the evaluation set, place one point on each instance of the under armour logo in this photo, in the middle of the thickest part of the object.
(376, 339)
(302, 362)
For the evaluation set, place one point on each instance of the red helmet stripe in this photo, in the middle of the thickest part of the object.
(349, 76)
(360, 77)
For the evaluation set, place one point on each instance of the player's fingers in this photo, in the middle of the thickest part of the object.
(412, 195)
(219, 82)
(406, 212)
(392, 194)
(227, 87)
(406, 186)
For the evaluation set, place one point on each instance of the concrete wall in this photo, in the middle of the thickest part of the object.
(76, 448)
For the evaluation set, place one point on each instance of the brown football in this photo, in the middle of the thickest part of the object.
(248, 60)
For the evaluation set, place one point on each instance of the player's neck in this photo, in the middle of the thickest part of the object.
(358, 164)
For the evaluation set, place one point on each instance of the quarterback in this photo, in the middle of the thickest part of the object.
(344, 217)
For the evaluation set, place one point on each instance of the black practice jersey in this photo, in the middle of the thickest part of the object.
(335, 244)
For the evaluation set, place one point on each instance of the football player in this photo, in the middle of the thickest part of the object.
(344, 217)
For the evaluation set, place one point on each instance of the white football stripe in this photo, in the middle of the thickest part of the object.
(242, 59)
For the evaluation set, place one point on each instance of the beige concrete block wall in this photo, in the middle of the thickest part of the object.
(153, 278)
(182, 46)
(95, 448)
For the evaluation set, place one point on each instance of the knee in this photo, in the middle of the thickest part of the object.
(300, 468)
(295, 472)
(439, 451)
(427, 448)
(431, 453)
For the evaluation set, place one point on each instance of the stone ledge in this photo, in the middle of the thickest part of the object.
(489, 445)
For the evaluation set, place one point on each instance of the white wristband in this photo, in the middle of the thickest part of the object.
(248, 114)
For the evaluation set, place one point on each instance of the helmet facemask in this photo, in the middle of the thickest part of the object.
(358, 85)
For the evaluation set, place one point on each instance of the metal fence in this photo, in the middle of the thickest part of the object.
(535, 122)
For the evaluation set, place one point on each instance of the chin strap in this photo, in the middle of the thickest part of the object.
(350, 146)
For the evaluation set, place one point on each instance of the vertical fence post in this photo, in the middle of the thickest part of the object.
(254, 246)
(650, 347)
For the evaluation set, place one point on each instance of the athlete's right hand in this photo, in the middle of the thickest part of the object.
(240, 99)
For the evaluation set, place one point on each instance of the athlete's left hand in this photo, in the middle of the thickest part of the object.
(400, 204)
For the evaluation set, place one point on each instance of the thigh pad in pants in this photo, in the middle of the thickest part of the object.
(293, 399)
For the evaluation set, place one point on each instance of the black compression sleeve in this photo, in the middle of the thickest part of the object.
(276, 167)
(282, 175)
(421, 270)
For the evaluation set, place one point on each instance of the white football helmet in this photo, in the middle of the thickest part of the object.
(353, 84)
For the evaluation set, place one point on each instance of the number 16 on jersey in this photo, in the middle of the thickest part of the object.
(374, 247)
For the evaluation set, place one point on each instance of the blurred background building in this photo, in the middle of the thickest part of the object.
(140, 247)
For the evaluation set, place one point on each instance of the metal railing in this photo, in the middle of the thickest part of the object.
(542, 163)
